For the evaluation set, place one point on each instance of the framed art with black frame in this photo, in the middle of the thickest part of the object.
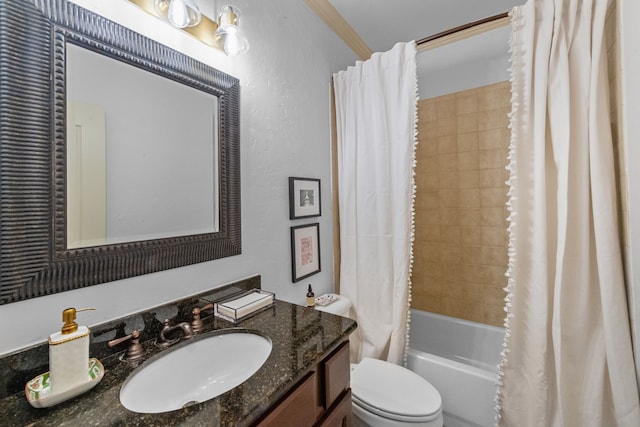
(304, 198)
(305, 251)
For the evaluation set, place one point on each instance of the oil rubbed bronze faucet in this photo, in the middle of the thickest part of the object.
(171, 334)
(196, 323)
(135, 350)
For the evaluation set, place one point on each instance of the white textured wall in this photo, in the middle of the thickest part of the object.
(285, 131)
(466, 64)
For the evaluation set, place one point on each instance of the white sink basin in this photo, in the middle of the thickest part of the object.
(194, 372)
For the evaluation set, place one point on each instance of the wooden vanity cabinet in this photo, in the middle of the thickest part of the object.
(336, 392)
(321, 399)
(340, 413)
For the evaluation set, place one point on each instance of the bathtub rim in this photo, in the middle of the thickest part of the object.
(482, 361)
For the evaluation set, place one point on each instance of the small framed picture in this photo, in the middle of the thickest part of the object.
(305, 251)
(304, 198)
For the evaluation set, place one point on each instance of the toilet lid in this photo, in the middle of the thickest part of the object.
(393, 392)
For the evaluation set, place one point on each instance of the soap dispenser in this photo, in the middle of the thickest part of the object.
(311, 298)
(69, 353)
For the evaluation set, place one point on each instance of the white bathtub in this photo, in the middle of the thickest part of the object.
(460, 358)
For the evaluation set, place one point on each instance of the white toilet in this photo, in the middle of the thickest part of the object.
(387, 395)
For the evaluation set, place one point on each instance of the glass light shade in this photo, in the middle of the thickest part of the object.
(229, 36)
(180, 13)
(233, 41)
(229, 15)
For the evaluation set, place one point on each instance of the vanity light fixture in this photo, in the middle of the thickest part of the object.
(224, 34)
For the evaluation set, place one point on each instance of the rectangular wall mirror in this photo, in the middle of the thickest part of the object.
(118, 155)
(141, 154)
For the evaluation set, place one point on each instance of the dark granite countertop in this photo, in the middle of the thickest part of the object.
(300, 336)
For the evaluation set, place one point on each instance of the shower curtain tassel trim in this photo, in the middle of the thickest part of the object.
(515, 64)
(412, 221)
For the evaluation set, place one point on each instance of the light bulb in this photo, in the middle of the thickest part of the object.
(180, 13)
(228, 16)
(229, 36)
(234, 42)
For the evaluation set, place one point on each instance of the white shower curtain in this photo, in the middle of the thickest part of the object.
(568, 357)
(376, 116)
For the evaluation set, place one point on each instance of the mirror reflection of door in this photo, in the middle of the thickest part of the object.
(86, 175)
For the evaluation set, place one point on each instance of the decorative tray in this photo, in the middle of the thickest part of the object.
(40, 394)
(326, 299)
(241, 306)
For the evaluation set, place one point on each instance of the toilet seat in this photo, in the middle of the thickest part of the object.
(393, 392)
(393, 416)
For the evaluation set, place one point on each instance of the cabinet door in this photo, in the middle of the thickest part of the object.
(298, 409)
(340, 413)
(337, 374)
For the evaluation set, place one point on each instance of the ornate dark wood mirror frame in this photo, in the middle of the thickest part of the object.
(34, 259)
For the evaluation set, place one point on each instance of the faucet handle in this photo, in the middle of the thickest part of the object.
(196, 323)
(135, 350)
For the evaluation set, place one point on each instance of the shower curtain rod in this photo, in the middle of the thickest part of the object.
(470, 29)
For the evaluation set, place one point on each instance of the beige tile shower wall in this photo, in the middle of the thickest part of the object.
(461, 229)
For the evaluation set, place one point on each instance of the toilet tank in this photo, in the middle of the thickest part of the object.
(339, 307)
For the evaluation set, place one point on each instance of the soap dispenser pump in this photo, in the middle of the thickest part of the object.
(69, 353)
